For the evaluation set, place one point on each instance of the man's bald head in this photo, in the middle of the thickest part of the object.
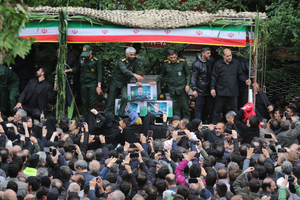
(16, 149)
(29, 197)
(10, 195)
(227, 55)
(237, 197)
(170, 180)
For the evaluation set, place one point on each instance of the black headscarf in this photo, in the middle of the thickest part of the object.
(193, 127)
(50, 126)
(147, 122)
(111, 130)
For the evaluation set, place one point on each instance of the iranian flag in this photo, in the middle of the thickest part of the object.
(80, 32)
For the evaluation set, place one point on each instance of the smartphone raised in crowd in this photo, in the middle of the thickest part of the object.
(53, 152)
(181, 132)
(150, 134)
(134, 155)
(193, 180)
(267, 136)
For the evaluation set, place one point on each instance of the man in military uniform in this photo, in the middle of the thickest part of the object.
(90, 78)
(178, 73)
(140, 95)
(9, 88)
(127, 68)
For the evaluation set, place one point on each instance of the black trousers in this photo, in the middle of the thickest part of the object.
(243, 97)
(33, 111)
(220, 102)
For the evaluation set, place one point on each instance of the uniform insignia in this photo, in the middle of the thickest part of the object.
(92, 60)
(132, 69)
(166, 60)
(169, 61)
(84, 49)
(123, 59)
(92, 70)
(95, 58)
(126, 61)
(177, 61)
(161, 96)
(182, 59)
(83, 58)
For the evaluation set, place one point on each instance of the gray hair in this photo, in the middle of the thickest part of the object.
(72, 188)
(285, 125)
(95, 170)
(162, 162)
(117, 195)
(231, 164)
(22, 113)
(81, 163)
(158, 145)
(230, 114)
(130, 50)
(287, 167)
(205, 49)
(53, 183)
(137, 196)
(93, 154)
(42, 157)
(42, 171)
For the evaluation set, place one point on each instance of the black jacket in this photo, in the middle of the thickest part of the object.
(201, 75)
(225, 78)
(44, 94)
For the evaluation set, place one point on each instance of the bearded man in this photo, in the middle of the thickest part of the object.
(34, 97)
(200, 82)
(224, 84)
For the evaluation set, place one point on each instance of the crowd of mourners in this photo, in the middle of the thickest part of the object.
(132, 158)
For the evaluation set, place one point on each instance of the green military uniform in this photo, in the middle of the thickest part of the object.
(9, 88)
(125, 70)
(91, 74)
(178, 77)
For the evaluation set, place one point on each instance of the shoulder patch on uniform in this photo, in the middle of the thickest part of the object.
(182, 59)
(95, 58)
(124, 59)
(166, 60)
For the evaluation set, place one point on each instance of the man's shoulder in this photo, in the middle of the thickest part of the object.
(123, 59)
(95, 58)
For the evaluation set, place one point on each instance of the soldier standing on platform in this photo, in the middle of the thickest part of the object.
(90, 78)
(9, 88)
(179, 78)
(127, 68)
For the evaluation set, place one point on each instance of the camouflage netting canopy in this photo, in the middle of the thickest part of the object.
(152, 19)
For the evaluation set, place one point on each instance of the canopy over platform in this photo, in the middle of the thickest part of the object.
(152, 19)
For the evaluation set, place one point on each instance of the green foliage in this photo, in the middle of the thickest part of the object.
(284, 25)
(11, 23)
(61, 63)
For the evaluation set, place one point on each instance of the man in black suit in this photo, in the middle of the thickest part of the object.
(35, 95)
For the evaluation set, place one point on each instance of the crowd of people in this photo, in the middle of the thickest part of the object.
(253, 153)
(131, 158)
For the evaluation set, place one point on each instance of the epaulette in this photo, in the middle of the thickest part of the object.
(182, 59)
(124, 59)
(95, 58)
(166, 60)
